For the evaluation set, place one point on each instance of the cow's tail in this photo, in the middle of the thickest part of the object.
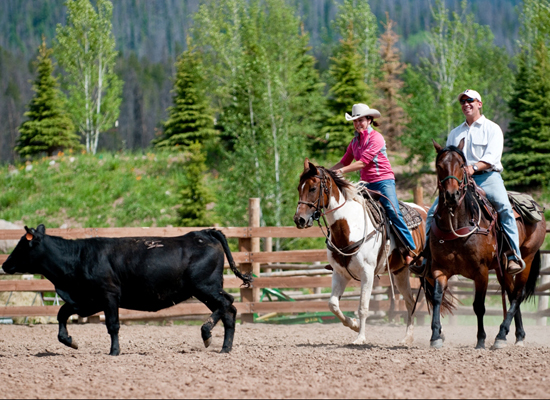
(246, 278)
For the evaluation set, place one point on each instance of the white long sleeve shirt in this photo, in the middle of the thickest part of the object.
(484, 141)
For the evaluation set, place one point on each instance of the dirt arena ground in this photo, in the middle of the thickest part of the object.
(268, 361)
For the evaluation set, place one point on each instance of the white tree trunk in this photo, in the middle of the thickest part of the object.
(274, 132)
(98, 108)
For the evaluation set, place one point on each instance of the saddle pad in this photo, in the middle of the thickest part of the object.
(410, 215)
(528, 208)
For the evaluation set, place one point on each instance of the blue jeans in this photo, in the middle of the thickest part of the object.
(387, 188)
(493, 185)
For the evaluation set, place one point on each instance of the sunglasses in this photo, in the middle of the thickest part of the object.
(468, 100)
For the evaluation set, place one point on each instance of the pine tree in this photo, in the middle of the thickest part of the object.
(527, 161)
(357, 16)
(48, 128)
(390, 85)
(195, 195)
(347, 71)
(190, 118)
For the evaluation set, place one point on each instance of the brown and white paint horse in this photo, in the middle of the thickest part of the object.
(323, 193)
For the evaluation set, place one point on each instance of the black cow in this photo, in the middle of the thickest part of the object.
(137, 273)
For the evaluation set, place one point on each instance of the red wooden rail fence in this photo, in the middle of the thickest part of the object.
(251, 259)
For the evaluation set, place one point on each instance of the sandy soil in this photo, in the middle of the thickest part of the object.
(268, 361)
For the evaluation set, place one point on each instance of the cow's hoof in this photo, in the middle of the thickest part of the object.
(436, 344)
(208, 341)
(520, 343)
(499, 344)
(74, 345)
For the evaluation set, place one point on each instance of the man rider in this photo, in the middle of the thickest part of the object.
(483, 147)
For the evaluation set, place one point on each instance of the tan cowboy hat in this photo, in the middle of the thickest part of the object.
(362, 110)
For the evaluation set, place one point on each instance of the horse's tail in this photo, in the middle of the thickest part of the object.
(533, 276)
(246, 278)
(447, 303)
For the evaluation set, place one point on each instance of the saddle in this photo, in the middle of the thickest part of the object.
(525, 207)
(378, 212)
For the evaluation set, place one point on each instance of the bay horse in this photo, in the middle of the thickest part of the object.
(463, 241)
(355, 245)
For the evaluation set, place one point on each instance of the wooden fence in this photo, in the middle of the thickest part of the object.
(283, 270)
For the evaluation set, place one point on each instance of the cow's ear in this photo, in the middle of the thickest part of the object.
(29, 236)
(33, 235)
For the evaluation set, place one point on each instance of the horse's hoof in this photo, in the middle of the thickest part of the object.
(499, 344)
(436, 344)
(360, 341)
(207, 342)
(74, 345)
(407, 341)
(480, 346)
(520, 343)
(353, 324)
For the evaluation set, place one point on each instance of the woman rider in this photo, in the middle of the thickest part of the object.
(368, 149)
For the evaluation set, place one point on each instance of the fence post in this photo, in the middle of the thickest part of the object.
(268, 247)
(543, 299)
(251, 245)
(418, 195)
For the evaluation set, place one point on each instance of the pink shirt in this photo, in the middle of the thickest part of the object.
(370, 147)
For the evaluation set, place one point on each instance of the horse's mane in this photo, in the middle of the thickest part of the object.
(349, 189)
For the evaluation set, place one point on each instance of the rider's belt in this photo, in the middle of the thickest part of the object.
(482, 172)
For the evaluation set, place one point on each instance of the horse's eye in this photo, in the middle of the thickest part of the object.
(313, 189)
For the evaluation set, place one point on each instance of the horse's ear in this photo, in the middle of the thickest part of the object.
(461, 144)
(308, 166)
(437, 146)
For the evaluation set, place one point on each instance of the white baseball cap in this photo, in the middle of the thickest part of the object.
(362, 110)
(470, 93)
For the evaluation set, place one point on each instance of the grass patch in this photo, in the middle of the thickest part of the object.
(105, 190)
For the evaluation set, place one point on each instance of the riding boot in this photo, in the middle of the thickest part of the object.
(426, 255)
(515, 265)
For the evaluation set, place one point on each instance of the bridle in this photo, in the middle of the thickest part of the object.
(463, 188)
(462, 185)
(324, 189)
(318, 214)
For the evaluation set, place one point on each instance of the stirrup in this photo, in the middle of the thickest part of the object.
(517, 261)
(418, 269)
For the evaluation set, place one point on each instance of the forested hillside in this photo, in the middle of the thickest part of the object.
(151, 34)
